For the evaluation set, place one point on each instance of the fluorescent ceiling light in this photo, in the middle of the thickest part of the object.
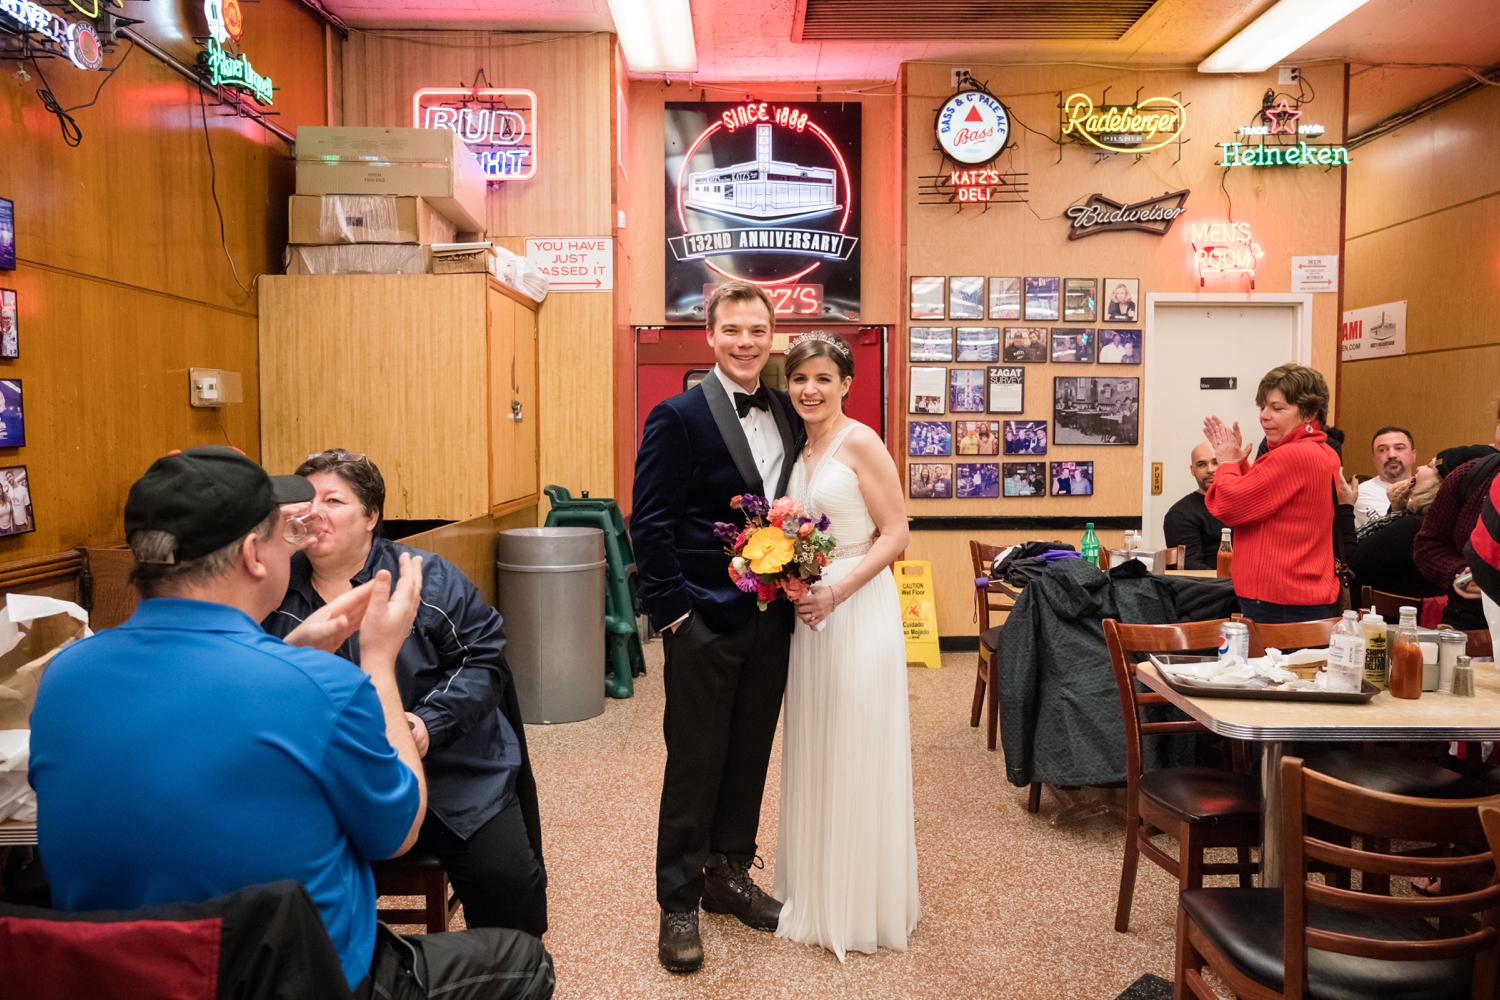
(657, 35)
(1277, 33)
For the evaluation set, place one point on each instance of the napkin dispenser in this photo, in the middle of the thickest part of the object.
(1154, 559)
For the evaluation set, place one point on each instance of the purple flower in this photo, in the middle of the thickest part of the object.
(754, 506)
(726, 532)
(823, 523)
(748, 582)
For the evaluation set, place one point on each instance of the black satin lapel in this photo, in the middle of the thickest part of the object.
(788, 443)
(733, 434)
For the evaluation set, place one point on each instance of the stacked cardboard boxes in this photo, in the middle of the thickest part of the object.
(377, 200)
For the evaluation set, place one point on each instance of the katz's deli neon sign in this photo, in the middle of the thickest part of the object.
(498, 124)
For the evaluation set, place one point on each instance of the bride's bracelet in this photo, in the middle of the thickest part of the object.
(833, 592)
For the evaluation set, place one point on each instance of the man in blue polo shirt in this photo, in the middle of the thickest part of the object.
(187, 753)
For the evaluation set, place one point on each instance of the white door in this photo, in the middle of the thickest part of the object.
(1206, 356)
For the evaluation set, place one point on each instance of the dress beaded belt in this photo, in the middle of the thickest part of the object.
(845, 551)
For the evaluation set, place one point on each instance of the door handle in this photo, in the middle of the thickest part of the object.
(515, 410)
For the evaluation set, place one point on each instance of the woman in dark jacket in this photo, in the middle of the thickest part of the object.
(1379, 555)
(482, 818)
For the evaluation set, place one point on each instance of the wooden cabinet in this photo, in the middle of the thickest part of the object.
(420, 372)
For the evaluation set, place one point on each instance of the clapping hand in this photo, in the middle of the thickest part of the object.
(328, 627)
(1228, 446)
(391, 611)
(1347, 489)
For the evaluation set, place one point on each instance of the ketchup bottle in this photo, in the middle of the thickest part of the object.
(1226, 555)
(1405, 676)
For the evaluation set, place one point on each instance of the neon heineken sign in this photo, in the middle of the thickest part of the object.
(1238, 154)
(235, 72)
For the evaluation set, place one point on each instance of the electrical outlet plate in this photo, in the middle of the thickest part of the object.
(1286, 76)
(957, 73)
(210, 387)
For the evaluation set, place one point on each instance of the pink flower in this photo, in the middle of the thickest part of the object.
(739, 543)
(766, 591)
(748, 582)
(795, 587)
(786, 507)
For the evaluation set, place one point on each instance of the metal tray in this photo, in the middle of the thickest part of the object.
(1360, 697)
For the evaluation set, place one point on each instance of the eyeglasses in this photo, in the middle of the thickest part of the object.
(341, 455)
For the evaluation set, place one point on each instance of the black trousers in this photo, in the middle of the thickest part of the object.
(723, 699)
(491, 963)
(494, 872)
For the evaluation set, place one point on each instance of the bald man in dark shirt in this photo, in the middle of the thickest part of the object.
(1189, 523)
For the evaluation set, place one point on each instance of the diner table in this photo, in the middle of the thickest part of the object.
(1433, 717)
(14, 833)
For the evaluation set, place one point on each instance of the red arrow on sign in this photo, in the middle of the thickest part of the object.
(595, 283)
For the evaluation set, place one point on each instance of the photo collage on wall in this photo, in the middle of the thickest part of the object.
(963, 372)
(15, 487)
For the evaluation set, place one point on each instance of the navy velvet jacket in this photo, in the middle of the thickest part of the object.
(693, 459)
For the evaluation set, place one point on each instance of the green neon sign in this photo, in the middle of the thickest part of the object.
(1239, 154)
(235, 71)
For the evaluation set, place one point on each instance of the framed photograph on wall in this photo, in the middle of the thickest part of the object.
(1072, 479)
(977, 480)
(1005, 298)
(1041, 298)
(13, 416)
(925, 438)
(1072, 346)
(930, 481)
(976, 437)
(966, 298)
(966, 390)
(1119, 347)
(1096, 410)
(1120, 298)
(927, 298)
(1024, 479)
(979, 343)
(1026, 437)
(15, 501)
(930, 343)
(929, 390)
(1007, 389)
(1080, 300)
(1026, 343)
(7, 235)
(10, 324)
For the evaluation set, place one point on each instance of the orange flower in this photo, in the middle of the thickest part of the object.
(768, 550)
(795, 587)
(805, 530)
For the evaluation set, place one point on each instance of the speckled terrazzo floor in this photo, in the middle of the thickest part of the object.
(1013, 907)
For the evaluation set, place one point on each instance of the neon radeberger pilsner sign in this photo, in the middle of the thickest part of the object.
(497, 123)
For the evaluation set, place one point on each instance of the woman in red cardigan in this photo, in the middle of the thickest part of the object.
(1281, 508)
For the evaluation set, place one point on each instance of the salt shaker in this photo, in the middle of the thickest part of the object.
(1463, 678)
(1451, 645)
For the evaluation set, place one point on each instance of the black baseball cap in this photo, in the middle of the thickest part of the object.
(206, 497)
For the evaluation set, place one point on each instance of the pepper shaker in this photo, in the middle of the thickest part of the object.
(1463, 678)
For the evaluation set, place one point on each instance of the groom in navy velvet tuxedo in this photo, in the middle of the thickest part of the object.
(726, 661)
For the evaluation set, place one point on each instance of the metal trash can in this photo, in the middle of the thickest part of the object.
(551, 595)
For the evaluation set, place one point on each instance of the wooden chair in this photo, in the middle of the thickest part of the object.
(1176, 557)
(1200, 806)
(416, 874)
(1312, 939)
(995, 596)
(1387, 605)
(1480, 643)
(1289, 635)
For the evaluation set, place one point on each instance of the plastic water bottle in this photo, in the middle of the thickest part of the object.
(1089, 547)
(1346, 653)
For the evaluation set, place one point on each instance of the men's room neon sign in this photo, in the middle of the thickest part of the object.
(1225, 248)
(497, 123)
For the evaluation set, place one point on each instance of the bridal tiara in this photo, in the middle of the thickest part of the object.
(824, 336)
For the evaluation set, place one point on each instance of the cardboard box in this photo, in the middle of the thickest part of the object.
(462, 259)
(359, 258)
(365, 218)
(431, 163)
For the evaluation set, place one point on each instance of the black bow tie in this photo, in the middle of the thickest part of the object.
(744, 402)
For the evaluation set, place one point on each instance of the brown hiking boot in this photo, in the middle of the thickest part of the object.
(680, 949)
(728, 888)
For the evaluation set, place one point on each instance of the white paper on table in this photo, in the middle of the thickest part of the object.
(23, 608)
(16, 797)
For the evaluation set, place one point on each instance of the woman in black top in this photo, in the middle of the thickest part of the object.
(1379, 555)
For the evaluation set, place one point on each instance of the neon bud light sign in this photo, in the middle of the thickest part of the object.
(497, 124)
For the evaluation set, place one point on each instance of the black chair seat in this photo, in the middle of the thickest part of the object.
(1245, 925)
(1381, 769)
(990, 638)
(1203, 794)
(416, 858)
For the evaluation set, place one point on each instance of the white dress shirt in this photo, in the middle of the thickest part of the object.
(764, 438)
(1372, 503)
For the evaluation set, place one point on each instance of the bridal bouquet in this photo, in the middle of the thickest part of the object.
(779, 548)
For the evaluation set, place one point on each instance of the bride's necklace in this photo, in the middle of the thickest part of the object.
(808, 449)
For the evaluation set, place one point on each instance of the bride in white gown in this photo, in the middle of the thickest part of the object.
(846, 852)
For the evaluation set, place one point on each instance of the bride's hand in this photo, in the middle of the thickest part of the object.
(817, 604)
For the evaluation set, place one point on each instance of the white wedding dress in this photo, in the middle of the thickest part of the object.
(846, 850)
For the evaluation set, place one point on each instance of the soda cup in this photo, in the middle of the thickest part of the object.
(1234, 640)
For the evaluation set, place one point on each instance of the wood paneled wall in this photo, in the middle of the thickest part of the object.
(645, 238)
(123, 283)
(1424, 226)
(571, 195)
(1291, 212)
